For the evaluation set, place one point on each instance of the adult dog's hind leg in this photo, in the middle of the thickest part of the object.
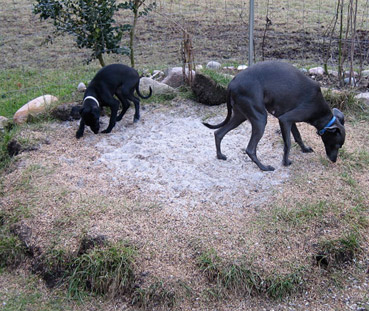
(298, 139)
(235, 121)
(258, 124)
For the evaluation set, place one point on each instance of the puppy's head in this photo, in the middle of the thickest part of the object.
(334, 136)
(91, 117)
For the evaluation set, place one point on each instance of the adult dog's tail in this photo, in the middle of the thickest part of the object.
(229, 113)
(138, 91)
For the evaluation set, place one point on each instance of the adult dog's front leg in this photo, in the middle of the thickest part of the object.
(298, 139)
(81, 129)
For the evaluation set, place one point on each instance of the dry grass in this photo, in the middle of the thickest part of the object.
(63, 191)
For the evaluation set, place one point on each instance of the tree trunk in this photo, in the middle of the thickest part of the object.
(132, 37)
(101, 60)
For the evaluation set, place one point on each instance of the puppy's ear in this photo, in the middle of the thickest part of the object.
(339, 115)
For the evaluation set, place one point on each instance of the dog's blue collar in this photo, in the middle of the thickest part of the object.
(322, 131)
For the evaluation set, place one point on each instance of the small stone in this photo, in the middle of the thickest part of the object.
(352, 82)
(4, 122)
(81, 87)
(316, 71)
(213, 65)
(333, 73)
(241, 67)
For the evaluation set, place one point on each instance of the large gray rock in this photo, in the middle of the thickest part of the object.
(157, 87)
(363, 97)
(33, 107)
(365, 73)
(175, 77)
(207, 91)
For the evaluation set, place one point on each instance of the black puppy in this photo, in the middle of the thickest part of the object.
(289, 95)
(115, 79)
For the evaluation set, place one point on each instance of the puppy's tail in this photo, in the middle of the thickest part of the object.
(229, 113)
(139, 94)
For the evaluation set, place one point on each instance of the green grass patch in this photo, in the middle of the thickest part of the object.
(279, 286)
(155, 294)
(217, 76)
(160, 98)
(210, 264)
(21, 85)
(106, 271)
(340, 251)
(5, 138)
(300, 214)
(243, 278)
(357, 160)
(12, 250)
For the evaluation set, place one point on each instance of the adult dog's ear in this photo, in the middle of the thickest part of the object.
(333, 128)
(339, 115)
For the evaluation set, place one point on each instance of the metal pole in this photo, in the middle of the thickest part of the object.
(251, 33)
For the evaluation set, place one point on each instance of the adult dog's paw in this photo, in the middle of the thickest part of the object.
(307, 150)
(221, 157)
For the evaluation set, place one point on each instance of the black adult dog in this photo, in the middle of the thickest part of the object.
(115, 79)
(289, 95)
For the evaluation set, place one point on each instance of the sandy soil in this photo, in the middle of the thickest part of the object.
(170, 155)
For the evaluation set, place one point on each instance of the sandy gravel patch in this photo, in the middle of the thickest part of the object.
(170, 155)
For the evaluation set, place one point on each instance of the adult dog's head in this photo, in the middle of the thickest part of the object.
(334, 135)
(91, 116)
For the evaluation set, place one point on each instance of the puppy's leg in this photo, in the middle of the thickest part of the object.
(114, 106)
(136, 101)
(81, 129)
(124, 108)
(236, 120)
(298, 140)
(125, 104)
(258, 123)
